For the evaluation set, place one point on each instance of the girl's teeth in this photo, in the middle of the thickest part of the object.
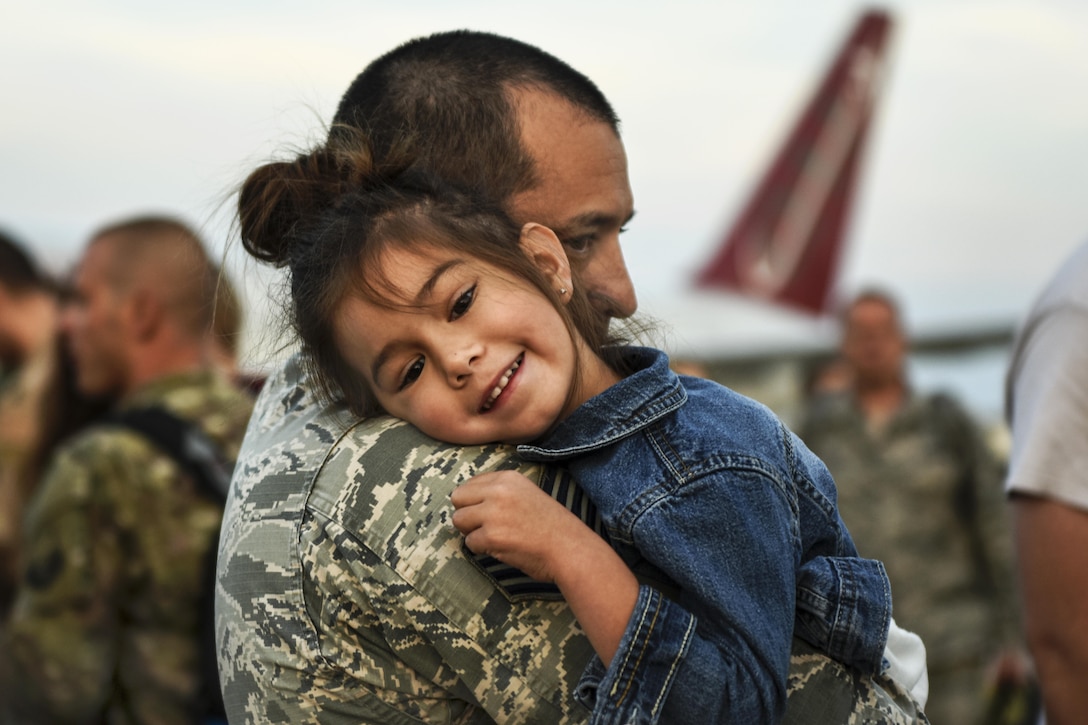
(502, 384)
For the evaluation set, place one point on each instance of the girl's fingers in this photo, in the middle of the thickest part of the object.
(467, 494)
(467, 519)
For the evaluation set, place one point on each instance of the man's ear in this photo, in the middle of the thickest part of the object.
(144, 312)
(543, 247)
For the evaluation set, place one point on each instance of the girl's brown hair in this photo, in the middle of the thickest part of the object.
(329, 215)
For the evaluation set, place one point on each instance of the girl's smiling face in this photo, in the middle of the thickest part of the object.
(470, 353)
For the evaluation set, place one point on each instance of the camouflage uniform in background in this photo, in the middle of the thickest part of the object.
(345, 595)
(923, 495)
(104, 627)
(21, 393)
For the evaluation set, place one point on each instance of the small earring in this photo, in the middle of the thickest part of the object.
(562, 291)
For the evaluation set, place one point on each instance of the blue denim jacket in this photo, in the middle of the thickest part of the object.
(709, 486)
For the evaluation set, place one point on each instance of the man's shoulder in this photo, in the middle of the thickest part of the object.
(943, 412)
(826, 412)
(303, 451)
(98, 443)
(289, 405)
(209, 399)
(294, 428)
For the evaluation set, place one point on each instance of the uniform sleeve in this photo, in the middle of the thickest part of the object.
(368, 611)
(61, 646)
(731, 541)
(425, 631)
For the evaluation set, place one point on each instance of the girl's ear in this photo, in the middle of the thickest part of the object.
(546, 251)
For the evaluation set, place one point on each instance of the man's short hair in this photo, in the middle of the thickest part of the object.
(18, 272)
(872, 294)
(450, 97)
(174, 256)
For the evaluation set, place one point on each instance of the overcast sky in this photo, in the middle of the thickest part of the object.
(974, 186)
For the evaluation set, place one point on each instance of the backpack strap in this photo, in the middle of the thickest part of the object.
(200, 457)
(186, 444)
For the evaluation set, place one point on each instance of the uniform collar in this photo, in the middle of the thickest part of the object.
(154, 391)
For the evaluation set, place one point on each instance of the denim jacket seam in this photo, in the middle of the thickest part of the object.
(627, 670)
(674, 667)
(842, 619)
(666, 454)
(643, 634)
(732, 464)
(637, 421)
(805, 486)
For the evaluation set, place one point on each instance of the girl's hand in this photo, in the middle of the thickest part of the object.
(505, 515)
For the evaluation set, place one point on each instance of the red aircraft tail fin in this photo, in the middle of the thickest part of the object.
(786, 245)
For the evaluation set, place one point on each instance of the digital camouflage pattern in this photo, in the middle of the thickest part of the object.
(923, 494)
(104, 627)
(345, 596)
(821, 691)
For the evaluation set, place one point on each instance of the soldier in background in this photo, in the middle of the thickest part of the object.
(226, 336)
(104, 625)
(920, 491)
(28, 316)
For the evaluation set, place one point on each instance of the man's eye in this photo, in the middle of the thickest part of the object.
(412, 374)
(579, 244)
(463, 302)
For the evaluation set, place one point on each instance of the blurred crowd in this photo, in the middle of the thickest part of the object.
(121, 411)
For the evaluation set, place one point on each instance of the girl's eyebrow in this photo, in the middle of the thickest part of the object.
(425, 292)
(428, 286)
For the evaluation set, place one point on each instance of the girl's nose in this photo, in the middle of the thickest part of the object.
(461, 363)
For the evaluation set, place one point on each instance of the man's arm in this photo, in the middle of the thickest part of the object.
(1052, 539)
(1048, 402)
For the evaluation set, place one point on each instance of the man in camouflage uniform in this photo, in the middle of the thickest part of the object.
(920, 491)
(104, 626)
(345, 595)
(28, 315)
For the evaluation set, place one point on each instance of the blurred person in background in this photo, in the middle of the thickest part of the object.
(1047, 483)
(228, 319)
(28, 318)
(919, 490)
(105, 623)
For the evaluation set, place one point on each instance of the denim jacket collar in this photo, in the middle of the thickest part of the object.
(627, 407)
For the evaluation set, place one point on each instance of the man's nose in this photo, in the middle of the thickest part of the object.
(67, 320)
(610, 289)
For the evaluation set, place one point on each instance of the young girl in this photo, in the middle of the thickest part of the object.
(419, 300)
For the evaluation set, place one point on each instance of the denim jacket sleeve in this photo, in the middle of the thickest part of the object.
(712, 490)
(720, 653)
(634, 689)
